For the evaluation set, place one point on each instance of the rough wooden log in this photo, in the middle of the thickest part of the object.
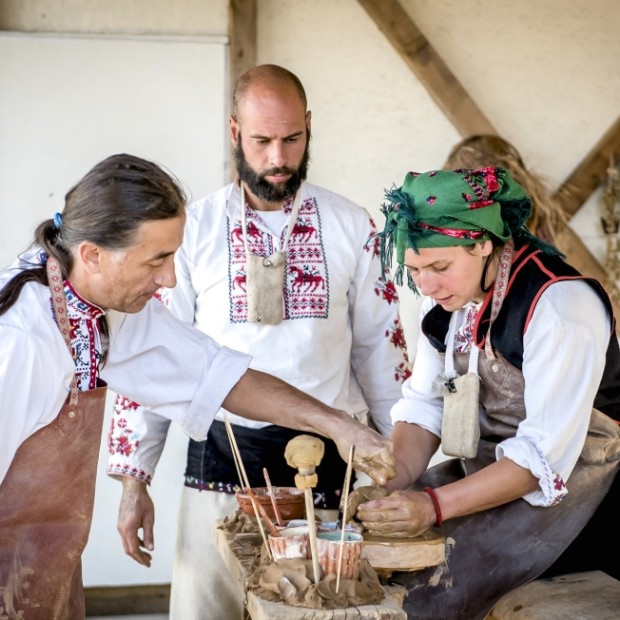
(587, 596)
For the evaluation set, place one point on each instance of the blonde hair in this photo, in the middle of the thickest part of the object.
(477, 151)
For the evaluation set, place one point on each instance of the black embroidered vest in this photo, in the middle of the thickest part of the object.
(530, 275)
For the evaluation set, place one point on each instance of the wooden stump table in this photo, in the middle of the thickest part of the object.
(584, 596)
(241, 549)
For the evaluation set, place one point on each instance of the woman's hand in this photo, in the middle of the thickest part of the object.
(402, 514)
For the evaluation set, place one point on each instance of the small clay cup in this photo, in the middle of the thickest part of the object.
(335, 526)
(328, 546)
(293, 542)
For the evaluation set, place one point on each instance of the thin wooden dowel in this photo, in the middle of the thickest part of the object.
(345, 495)
(314, 551)
(246, 482)
(274, 503)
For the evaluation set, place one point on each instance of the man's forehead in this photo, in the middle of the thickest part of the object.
(154, 233)
(266, 101)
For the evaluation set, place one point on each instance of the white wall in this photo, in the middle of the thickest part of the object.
(545, 72)
(67, 102)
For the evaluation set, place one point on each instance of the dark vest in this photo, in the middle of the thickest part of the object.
(530, 275)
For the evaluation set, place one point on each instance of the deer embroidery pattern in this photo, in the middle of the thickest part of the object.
(306, 287)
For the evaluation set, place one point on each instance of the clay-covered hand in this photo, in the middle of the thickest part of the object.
(401, 514)
(136, 512)
(359, 496)
(373, 452)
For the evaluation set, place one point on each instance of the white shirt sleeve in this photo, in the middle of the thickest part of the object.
(563, 362)
(420, 404)
(170, 367)
(137, 437)
(136, 440)
(378, 350)
(564, 351)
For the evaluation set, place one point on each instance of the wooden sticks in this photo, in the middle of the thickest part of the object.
(345, 501)
(276, 510)
(258, 509)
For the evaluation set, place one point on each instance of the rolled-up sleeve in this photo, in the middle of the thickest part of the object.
(171, 368)
(563, 362)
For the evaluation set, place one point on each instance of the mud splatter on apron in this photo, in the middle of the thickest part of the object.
(46, 505)
(492, 552)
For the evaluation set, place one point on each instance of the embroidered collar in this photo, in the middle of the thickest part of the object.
(78, 308)
(85, 338)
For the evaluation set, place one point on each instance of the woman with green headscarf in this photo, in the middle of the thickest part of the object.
(517, 375)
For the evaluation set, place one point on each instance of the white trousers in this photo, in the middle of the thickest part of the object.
(202, 588)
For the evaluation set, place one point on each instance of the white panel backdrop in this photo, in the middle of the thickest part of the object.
(66, 102)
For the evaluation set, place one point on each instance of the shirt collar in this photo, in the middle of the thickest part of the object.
(78, 307)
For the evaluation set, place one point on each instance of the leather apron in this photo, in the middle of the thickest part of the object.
(492, 552)
(46, 505)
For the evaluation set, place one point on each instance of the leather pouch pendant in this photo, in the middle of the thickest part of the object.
(265, 288)
(460, 427)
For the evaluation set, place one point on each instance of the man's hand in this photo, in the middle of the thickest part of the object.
(373, 452)
(402, 514)
(136, 512)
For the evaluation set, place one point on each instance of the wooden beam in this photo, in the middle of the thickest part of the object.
(242, 36)
(575, 191)
(591, 172)
(430, 69)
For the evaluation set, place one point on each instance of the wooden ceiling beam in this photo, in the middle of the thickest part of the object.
(591, 172)
(242, 36)
(242, 40)
(427, 65)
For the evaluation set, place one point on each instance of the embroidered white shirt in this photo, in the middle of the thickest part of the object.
(563, 362)
(179, 372)
(341, 339)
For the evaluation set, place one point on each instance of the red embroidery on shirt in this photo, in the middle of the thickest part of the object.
(306, 286)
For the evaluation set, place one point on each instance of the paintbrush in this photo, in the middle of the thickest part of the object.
(276, 510)
(259, 511)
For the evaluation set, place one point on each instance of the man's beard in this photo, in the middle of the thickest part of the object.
(264, 189)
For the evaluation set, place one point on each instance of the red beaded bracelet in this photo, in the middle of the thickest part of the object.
(435, 501)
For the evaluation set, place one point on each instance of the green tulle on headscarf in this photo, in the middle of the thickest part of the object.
(446, 208)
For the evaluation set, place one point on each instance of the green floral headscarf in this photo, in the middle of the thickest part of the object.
(445, 208)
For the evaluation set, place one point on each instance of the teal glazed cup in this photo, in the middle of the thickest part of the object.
(328, 547)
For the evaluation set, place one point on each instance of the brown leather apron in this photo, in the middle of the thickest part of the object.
(46, 505)
(492, 552)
